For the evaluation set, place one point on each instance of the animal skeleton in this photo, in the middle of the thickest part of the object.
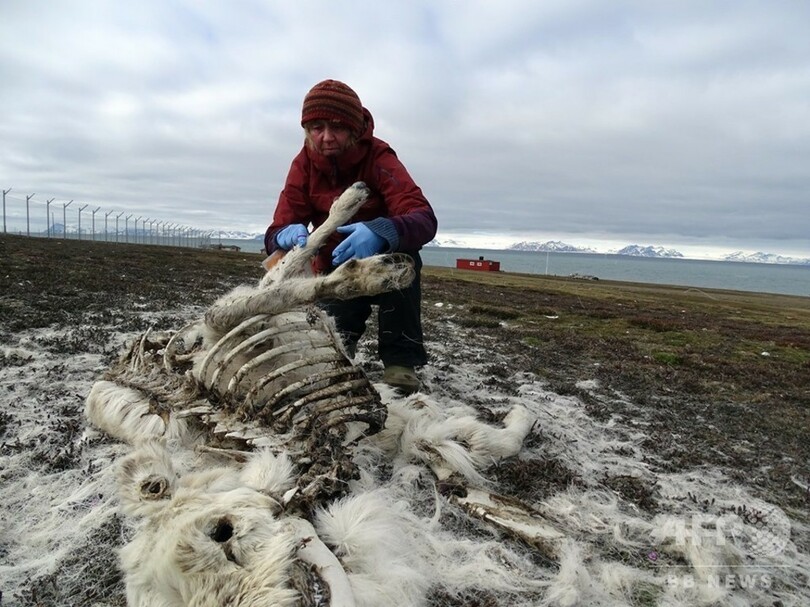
(265, 381)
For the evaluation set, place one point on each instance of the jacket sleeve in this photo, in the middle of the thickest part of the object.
(411, 222)
(293, 204)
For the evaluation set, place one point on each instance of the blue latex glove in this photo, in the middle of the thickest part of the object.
(362, 242)
(292, 235)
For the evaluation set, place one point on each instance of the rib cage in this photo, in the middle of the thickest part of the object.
(288, 373)
(265, 366)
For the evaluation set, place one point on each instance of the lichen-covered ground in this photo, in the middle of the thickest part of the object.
(673, 400)
(719, 377)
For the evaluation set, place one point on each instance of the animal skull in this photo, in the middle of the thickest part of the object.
(264, 380)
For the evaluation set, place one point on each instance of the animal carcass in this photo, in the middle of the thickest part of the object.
(246, 427)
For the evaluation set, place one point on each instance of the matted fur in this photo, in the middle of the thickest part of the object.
(261, 409)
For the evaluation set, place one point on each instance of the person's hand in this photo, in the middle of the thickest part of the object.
(292, 235)
(362, 242)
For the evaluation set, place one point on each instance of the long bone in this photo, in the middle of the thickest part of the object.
(278, 291)
(356, 277)
(297, 261)
(253, 343)
(302, 345)
(258, 386)
(231, 336)
(277, 376)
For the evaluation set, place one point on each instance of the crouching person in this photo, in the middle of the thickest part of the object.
(340, 148)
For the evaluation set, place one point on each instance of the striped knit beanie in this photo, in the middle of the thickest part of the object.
(333, 100)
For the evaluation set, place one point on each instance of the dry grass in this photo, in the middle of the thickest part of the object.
(727, 373)
(689, 362)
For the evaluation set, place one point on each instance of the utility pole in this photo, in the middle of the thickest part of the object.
(28, 215)
(126, 227)
(105, 225)
(64, 218)
(116, 225)
(48, 214)
(80, 220)
(4, 209)
(94, 222)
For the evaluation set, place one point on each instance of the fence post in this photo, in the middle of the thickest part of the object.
(80, 220)
(48, 215)
(116, 224)
(4, 209)
(64, 218)
(94, 222)
(106, 215)
(28, 215)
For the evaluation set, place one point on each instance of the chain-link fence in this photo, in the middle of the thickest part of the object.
(33, 215)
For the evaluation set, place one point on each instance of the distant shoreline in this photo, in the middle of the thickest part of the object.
(788, 279)
(258, 243)
(616, 254)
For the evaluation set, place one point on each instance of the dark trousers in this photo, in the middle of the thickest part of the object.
(399, 316)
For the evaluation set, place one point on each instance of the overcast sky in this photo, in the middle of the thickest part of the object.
(598, 122)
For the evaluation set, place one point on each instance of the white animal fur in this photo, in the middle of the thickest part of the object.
(385, 555)
(450, 441)
(290, 282)
(178, 556)
(176, 560)
(128, 414)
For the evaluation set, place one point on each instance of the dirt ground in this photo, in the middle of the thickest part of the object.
(715, 378)
(722, 377)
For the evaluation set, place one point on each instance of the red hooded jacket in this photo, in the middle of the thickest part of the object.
(396, 209)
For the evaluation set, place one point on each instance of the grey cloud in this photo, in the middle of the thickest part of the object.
(674, 120)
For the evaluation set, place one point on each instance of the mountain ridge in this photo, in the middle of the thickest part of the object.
(632, 250)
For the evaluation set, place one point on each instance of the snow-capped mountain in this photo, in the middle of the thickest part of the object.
(637, 250)
(237, 235)
(447, 242)
(551, 246)
(760, 257)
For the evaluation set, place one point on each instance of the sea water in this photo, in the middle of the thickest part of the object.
(738, 276)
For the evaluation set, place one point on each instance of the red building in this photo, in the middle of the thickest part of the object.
(480, 264)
